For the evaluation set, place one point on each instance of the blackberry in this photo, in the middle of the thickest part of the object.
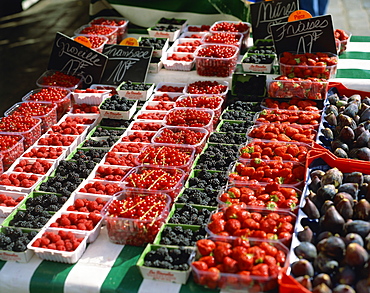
(187, 215)
(94, 155)
(4, 240)
(205, 178)
(115, 122)
(101, 131)
(236, 127)
(49, 202)
(117, 103)
(238, 115)
(168, 258)
(157, 44)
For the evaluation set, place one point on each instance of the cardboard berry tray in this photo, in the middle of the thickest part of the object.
(69, 257)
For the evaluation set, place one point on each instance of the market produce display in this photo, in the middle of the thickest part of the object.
(224, 191)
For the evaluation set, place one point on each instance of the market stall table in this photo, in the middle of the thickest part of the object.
(108, 267)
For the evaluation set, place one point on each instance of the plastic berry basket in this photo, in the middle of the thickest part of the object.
(213, 102)
(202, 88)
(189, 117)
(245, 32)
(185, 45)
(185, 139)
(30, 136)
(314, 88)
(246, 179)
(123, 115)
(234, 282)
(151, 125)
(342, 44)
(303, 71)
(115, 22)
(149, 154)
(109, 172)
(223, 38)
(135, 94)
(174, 61)
(57, 78)
(14, 256)
(131, 230)
(18, 197)
(89, 120)
(89, 98)
(99, 30)
(96, 42)
(72, 206)
(169, 87)
(11, 152)
(157, 51)
(59, 96)
(160, 274)
(160, 106)
(152, 115)
(26, 164)
(154, 32)
(48, 116)
(171, 187)
(166, 97)
(21, 188)
(265, 213)
(68, 141)
(119, 159)
(91, 234)
(257, 67)
(81, 131)
(108, 87)
(216, 66)
(68, 257)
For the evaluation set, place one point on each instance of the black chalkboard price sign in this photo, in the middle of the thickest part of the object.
(76, 59)
(314, 34)
(266, 13)
(126, 63)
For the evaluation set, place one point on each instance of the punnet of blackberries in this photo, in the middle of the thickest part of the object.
(238, 115)
(102, 131)
(121, 123)
(167, 258)
(117, 103)
(156, 43)
(50, 202)
(190, 215)
(79, 167)
(227, 138)
(15, 239)
(236, 127)
(208, 179)
(61, 185)
(94, 155)
(259, 59)
(100, 142)
(244, 106)
(33, 217)
(205, 197)
(217, 157)
(181, 236)
(135, 86)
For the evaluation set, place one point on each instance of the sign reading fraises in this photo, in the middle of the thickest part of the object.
(73, 58)
(266, 13)
(126, 63)
(314, 34)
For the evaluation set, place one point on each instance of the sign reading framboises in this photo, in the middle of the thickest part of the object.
(76, 59)
(126, 63)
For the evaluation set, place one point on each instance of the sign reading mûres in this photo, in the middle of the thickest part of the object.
(266, 13)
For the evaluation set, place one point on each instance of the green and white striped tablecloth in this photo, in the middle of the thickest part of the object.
(354, 64)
